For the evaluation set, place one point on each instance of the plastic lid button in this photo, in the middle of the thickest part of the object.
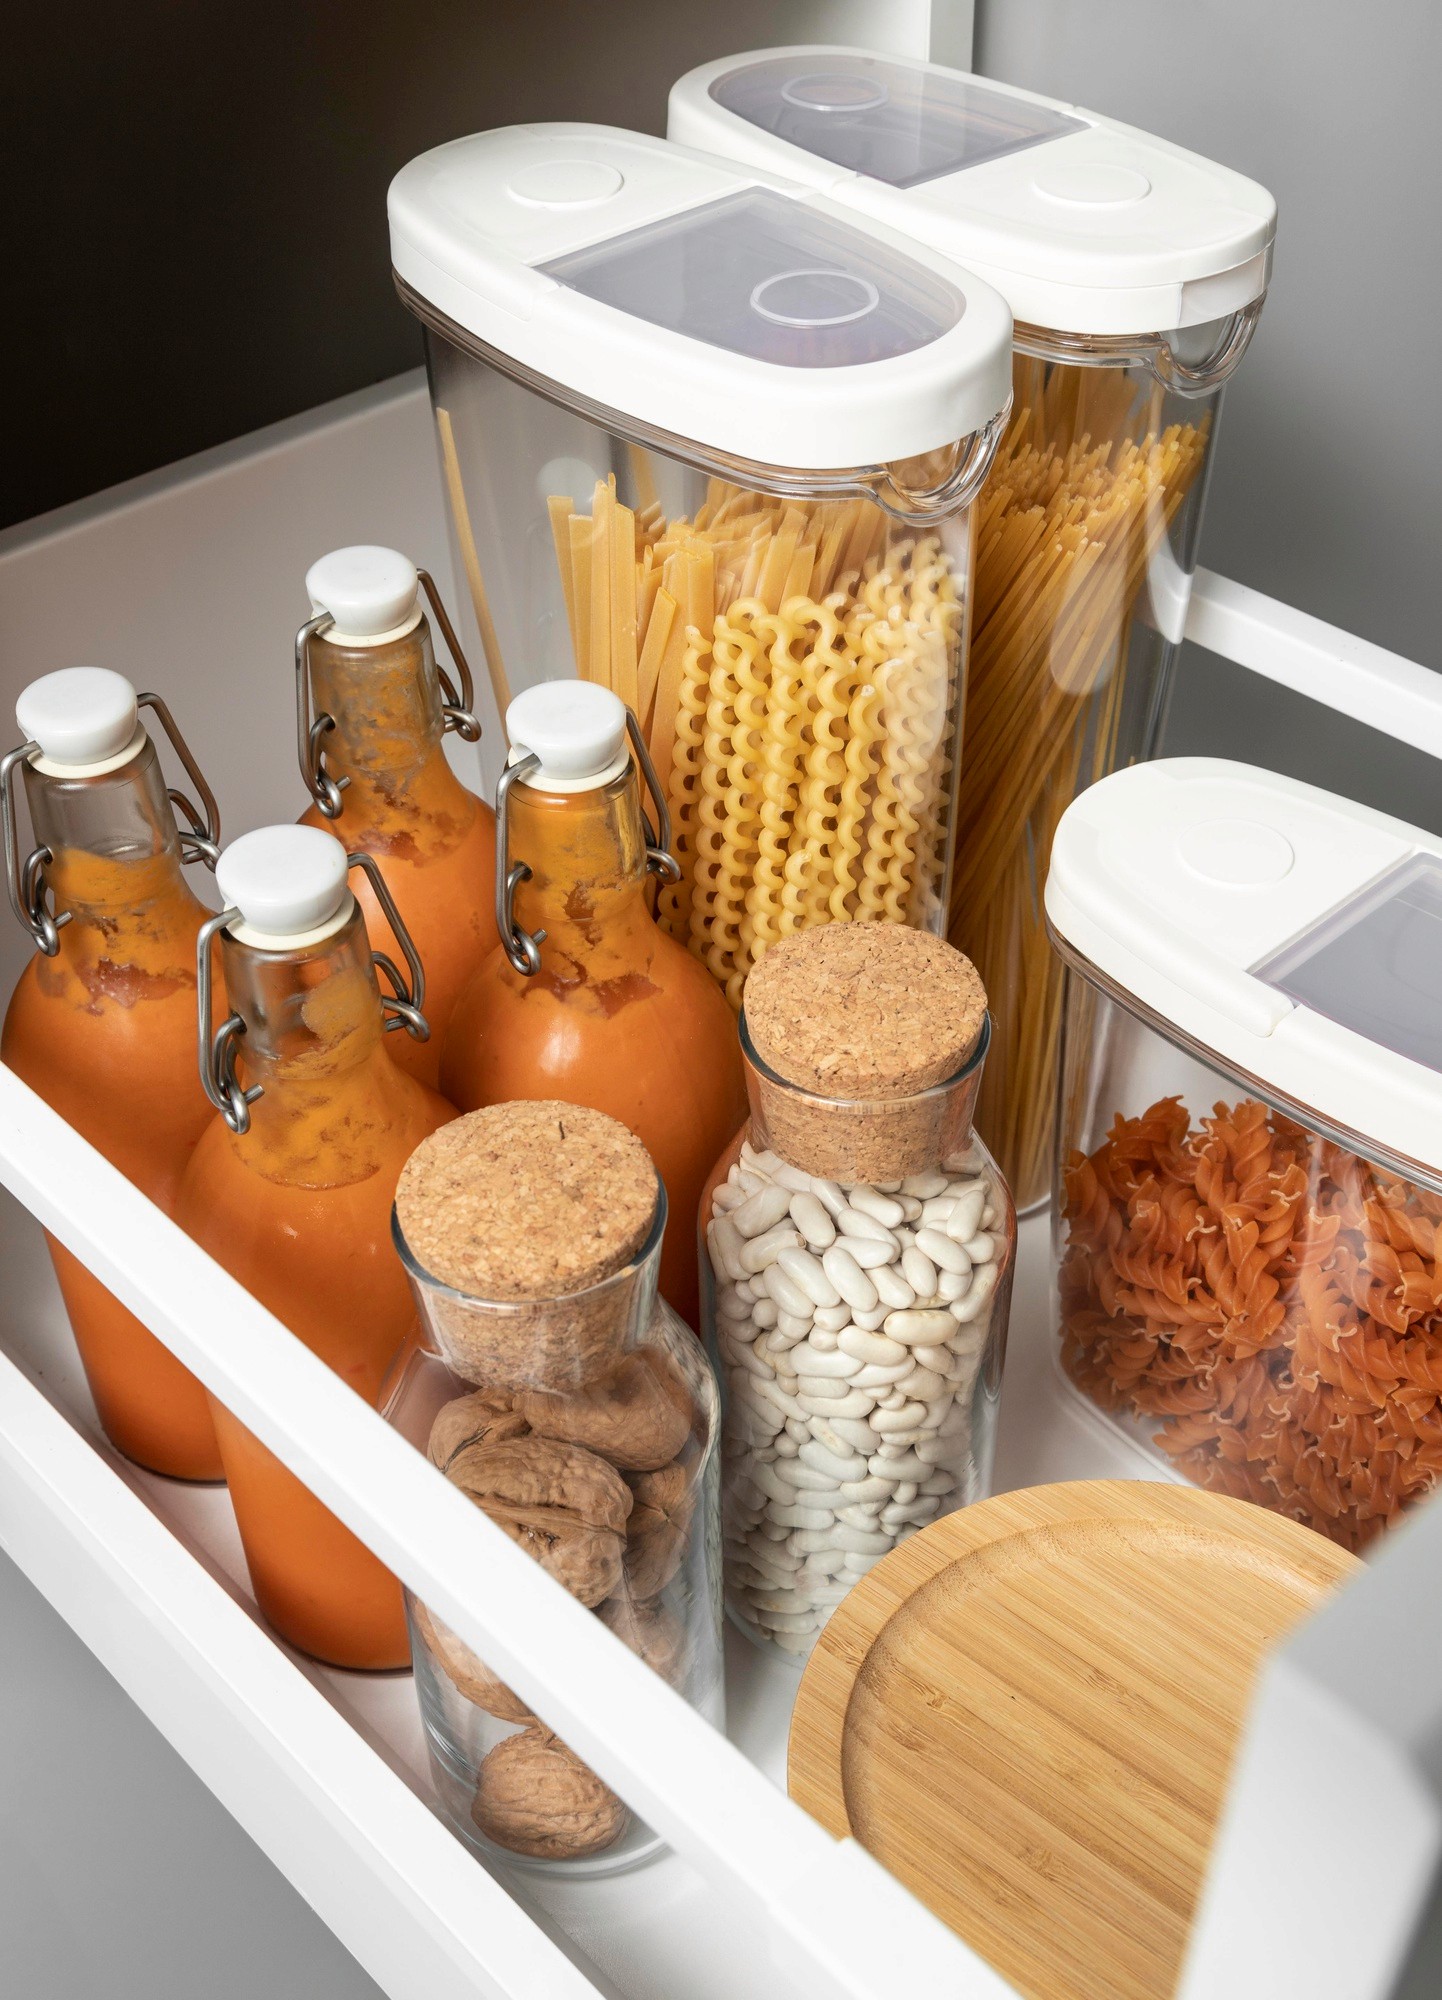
(577, 729)
(565, 183)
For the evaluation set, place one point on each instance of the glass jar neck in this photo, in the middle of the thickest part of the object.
(114, 847)
(385, 703)
(586, 852)
(313, 1042)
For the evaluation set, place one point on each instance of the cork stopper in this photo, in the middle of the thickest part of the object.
(859, 1039)
(530, 1210)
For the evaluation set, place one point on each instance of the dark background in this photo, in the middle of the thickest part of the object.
(195, 195)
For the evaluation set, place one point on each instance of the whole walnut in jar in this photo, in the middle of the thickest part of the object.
(586, 1428)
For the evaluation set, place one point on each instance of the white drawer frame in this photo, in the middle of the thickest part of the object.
(333, 1803)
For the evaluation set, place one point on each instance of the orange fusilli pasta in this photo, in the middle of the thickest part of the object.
(1272, 1299)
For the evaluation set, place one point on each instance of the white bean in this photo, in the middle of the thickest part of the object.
(860, 1516)
(861, 1542)
(807, 1272)
(953, 1285)
(796, 1516)
(829, 1194)
(823, 1389)
(763, 1210)
(856, 1403)
(850, 1280)
(923, 1386)
(923, 1327)
(847, 1466)
(880, 1374)
(871, 1254)
(919, 1272)
(863, 1228)
(787, 1293)
(874, 1347)
(938, 1359)
(981, 1248)
(853, 1433)
(764, 1312)
(891, 1423)
(810, 1360)
(935, 1212)
(899, 1465)
(812, 1220)
(870, 1320)
(869, 1488)
(945, 1254)
(965, 1216)
(727, 1244)
(925, 1186)
(983, 1285)
(764, 1250)
(792, 1326)
(880, 1207)
(822, 1339)
(833, 1318)
(892, 1289)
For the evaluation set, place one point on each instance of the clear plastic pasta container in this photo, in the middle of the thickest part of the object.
(857, 1244)
(577, 1410)
(709, 442)
(1135, 273)
(1248, 1222)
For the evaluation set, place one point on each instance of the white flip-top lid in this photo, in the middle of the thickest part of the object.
(288, 882)
(84, 719)
(721, 305)
(1084, 225)
(577, 730)
(373, 594)
(1293, 937)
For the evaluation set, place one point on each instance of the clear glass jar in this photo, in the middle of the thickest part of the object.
(890, 1275)
(1086, 543)
(1253, 1303)
(604, 1386)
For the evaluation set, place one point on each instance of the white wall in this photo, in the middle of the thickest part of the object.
(1327, 490)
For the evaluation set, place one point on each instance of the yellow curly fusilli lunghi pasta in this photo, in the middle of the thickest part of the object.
(796, 671)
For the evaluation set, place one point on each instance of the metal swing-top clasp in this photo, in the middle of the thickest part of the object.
(401, 1007)
(523, 947)
(26, 882)
(457, 708)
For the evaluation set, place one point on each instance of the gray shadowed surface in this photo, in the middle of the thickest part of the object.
(1327, 485)
(120, 1875)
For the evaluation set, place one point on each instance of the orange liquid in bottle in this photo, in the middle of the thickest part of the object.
(620, 1017)
(434, 839)
(105, 1033)
(298, 1209)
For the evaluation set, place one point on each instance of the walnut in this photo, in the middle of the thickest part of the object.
(467, 1672)
(483, 1417)
(660, 1522)
(534, 1796)
(649, 1629)
(566, 1507)
(638, 1416)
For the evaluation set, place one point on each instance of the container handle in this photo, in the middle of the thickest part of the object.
(1198, 378)
(217, 1050)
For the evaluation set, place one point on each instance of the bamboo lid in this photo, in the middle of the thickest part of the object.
(1028, 1711)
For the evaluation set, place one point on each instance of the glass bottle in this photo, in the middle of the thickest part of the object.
(859, 1243)
(586, 1385)
(373, 707)
(290, 1189)
(101, 1024)
(587, 999)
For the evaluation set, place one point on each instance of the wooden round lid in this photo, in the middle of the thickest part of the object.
(864, 1010)
(527, 1201)
(1027, 1712)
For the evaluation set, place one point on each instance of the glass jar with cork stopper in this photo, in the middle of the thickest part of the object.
(859, 1242)
(557, 1389)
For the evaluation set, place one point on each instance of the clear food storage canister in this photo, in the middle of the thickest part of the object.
(711, 443)
(859, 1244)
(558, 1391)
(1249, 1210)
(1135, 272)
